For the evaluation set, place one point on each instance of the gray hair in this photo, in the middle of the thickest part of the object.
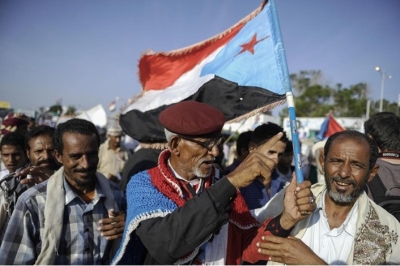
(169, 135)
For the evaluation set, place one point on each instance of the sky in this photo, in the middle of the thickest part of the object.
(86, 52)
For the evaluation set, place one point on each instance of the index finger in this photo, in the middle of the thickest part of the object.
(23, 172)
(264, 148)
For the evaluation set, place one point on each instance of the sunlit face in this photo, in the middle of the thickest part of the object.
(195, 160)
(41, 152)
(79, 158)
(13, 157)
(346, 169)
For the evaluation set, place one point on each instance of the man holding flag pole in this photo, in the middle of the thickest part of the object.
(177, 212)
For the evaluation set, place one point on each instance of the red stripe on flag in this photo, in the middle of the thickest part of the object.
(160, 70)
(333, 126)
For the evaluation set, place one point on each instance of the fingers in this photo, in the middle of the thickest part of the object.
(272, 141)
(305, 199)
(256, 164)
(38, 174)
(112, 228)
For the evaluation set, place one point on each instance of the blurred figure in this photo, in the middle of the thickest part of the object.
(142, 159)
(13, 122)
(32, 123)
(261, 190)
(40, 152)
(316, 171)
(13, 154)
(242, 150)
(14, 157)
(384, 189)
(112, 155)
(284, 168)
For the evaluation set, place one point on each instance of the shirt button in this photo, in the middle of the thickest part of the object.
(87, 229)
(87, 249)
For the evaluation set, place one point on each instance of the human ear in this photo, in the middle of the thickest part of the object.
(373, 173)
(174, 145)
(58, 156)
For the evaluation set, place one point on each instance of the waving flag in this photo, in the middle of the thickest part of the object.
(239, 71)
(329, 127)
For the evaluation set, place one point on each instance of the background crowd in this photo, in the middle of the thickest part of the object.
(113, 188)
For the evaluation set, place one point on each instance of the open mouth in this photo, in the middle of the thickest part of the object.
(342, 185)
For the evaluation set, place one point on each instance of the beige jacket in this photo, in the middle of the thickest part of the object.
(377, 235)
(111, 163)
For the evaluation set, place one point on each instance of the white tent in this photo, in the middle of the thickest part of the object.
(97, 115)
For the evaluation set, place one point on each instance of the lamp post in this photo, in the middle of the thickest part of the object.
(383, 76)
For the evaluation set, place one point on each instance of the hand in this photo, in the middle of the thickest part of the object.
(289, 250)
(112, 228)
(256, 164)
(38, 174)
(297, 203)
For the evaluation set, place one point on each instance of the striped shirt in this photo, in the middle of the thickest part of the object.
(81, 242)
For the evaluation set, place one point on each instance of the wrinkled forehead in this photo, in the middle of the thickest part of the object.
(345, 144)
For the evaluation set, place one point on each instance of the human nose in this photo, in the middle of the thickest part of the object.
(344, 170)
(214, 151)
(46, 154)
(84, 161)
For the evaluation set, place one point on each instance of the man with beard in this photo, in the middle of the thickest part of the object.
(347, 227)
(184, 212)
(75, 216)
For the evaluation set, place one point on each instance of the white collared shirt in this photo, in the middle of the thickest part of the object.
(333, 246)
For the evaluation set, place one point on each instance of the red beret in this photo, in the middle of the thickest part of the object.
(191, 118)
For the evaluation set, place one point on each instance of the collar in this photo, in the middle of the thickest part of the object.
(350, 223)
(70, 194)
(193, 182)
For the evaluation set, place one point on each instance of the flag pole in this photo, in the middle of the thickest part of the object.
(285, 77)
(295, 137)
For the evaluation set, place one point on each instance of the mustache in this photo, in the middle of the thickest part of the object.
(202, 160)
(84, 170)
(345, 181)
(43, 162)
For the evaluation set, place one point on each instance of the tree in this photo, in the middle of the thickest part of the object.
(71, 110)
(351, 102)
(56, 109)
(315, 100)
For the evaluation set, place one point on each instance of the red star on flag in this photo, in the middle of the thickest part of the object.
(249, 46)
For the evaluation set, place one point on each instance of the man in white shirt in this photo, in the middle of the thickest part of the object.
(347, 227)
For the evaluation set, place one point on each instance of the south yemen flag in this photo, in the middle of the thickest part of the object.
(239, 71)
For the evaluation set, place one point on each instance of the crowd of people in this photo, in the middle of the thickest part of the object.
(68, 197)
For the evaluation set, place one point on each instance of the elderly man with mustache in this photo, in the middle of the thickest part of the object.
(183, 211)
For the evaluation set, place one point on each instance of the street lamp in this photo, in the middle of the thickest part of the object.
(383, 76)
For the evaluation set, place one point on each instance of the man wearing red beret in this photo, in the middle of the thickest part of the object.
(184, 212)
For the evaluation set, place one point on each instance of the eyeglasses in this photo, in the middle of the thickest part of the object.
(208, 144)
